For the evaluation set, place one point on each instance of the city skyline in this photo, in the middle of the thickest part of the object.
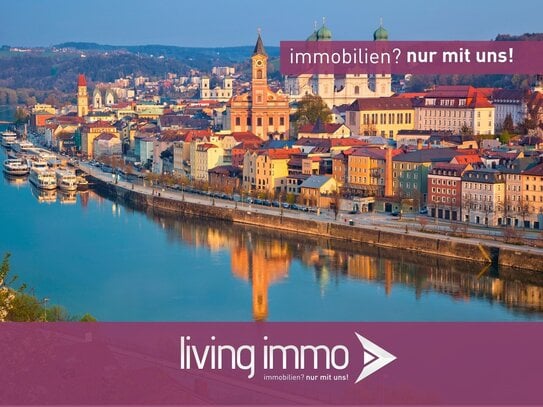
(36, 23)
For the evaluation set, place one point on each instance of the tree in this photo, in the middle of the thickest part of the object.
(87, 318)
(311, 108)
(508, 125)
(465, 130)
(21, 115)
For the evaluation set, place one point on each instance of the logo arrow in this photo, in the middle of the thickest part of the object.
(375, 357)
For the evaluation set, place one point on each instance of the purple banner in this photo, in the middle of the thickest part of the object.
(413, 57)
(271, 363)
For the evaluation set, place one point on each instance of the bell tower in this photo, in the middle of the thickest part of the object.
(82, 96)
(259, 81)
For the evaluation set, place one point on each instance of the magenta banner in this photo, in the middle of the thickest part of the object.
(411, 57)
(271, 363)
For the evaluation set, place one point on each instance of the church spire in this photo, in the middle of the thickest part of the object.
(259, 47)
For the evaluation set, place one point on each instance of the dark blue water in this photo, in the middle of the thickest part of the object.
(97, 256)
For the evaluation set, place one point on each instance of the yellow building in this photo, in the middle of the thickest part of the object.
(366, 171)
(261, 111)
(531, 205)
(383, 117)
(267, 170)
(206, 157)
(90, 132)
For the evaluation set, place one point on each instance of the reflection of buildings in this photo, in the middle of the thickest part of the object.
(262, 260)
(261, 263)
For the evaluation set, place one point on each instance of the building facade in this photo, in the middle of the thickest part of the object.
(455, 108)
(260, 111)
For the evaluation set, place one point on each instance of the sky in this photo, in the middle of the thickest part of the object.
(218, 23)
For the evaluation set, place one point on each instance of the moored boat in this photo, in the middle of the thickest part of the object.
(82, 183)
(8, 139)
(41, 176)
(22, 146)
(66, 180)
(16, 167)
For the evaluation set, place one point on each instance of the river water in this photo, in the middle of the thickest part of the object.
(90, 254)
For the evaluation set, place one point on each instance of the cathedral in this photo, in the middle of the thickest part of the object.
(261, 110)
(338, 90)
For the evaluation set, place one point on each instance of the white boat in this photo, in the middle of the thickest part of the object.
(66, 180)
(41, 176)
(16, 166)
(82, 183)
(8, 139)
(22, 146)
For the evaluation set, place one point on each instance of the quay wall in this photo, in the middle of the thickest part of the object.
(432, 244)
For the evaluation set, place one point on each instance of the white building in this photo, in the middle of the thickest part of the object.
(339, 90)
(453, 108)
(483, 197)
(222, 94)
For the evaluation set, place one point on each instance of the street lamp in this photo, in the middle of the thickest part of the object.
(45, 300)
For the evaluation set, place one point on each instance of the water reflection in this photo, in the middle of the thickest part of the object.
(44, 195)
(68, 197)
(263, 258)
(16, 181)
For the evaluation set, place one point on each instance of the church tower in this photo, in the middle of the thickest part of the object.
(383, 82)
(82, 97)
(259, 78)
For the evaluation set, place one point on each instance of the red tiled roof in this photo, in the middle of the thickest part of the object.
(467, 159)
(279, 153)
(329, 128)
(81, 80)
(536, 170)
(205, 146)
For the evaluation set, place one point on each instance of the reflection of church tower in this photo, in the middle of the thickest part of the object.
(261, 265)
(383, 82)
(82, 97)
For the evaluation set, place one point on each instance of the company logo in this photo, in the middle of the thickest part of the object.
(375, 357)
(320, 359)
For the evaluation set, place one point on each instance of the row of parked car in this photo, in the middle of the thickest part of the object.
(248, 200)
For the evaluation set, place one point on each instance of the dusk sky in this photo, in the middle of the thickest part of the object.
(235, 22)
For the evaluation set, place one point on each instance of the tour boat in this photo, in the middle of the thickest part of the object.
(16, 167)
(66, 180)
(22, 146)
(41, 176)
(8, 139)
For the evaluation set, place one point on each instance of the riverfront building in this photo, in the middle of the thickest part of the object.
(336, 90)
(483, 196)
(260, 111)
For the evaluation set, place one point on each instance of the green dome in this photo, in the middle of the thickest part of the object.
(380, 34)
(324, 34)
(313, 36)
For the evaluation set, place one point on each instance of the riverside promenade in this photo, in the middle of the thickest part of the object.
(378, 230)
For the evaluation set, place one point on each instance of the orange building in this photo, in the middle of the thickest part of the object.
(261, 111)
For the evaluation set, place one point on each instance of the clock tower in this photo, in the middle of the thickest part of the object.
(259, 82)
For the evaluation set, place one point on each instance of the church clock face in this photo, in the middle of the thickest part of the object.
(259, 63)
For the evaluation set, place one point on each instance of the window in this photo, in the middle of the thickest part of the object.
(281, 121)
(270, 121)
(238, 121)
(259, 74)
(356, 90)
(259, 122)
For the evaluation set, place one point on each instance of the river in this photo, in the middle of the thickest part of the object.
(90, 254)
